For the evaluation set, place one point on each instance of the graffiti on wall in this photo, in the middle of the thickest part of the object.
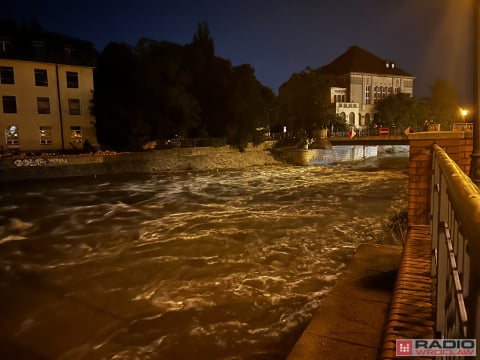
(39, 162)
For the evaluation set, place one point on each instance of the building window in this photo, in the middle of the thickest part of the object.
(39, 48)
(43, 105)
(76, 134)
(74, 106)
(9, 104)
(45, 135)
(11, 135)
(6, 75)
(41, 78)
(367, 94)
(72, 79)
(351, 118)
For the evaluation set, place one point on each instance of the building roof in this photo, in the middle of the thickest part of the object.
(31, 43)
(356, 59)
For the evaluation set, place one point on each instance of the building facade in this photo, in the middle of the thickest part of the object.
(366, 79)
(347, 88)
(46, 88)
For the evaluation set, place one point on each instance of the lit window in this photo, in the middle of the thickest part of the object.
(76, 134)
(45, 135)
(43, 105)
(74, 106)
(41, 78)
(6, 75)
(9, 104)
(72, 79)
(11, 135)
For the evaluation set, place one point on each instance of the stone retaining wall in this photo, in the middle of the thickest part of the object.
(176, 159)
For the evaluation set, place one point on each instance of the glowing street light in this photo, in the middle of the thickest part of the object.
(464, 113)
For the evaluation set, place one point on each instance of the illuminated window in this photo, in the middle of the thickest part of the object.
(41, 78)
(367, 94)
(74, 106)
(6, 75)
(76, 134)
(43, 105)
(11, 135)
(45, 135)
(9, 104)
(72, 79)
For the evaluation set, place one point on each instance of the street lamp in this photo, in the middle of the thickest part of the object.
(464, 113)
(475, 157)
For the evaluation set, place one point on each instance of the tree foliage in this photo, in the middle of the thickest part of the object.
(443, 103)
(157, 90)
(401, 110)
(304, 101)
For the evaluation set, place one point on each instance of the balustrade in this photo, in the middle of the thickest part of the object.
(455, 228)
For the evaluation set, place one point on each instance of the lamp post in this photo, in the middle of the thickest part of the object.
(475, 157)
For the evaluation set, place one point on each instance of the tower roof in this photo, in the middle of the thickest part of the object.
(356, 59)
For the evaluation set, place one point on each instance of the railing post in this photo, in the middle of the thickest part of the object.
(442, 258)
(434, 216)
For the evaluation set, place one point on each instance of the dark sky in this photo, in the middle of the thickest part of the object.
(427, 38)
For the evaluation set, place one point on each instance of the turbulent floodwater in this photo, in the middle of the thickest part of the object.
(191, 265)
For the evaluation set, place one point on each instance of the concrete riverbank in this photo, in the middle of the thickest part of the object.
(350, 322)
(176, 159)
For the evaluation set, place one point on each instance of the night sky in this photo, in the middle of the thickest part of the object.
(427, 38)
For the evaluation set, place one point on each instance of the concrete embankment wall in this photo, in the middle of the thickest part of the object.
(201, 158)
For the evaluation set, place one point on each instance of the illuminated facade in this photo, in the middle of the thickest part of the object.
(362, 80)
(46, 87)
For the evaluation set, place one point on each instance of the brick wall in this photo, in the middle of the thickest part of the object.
(458, 145)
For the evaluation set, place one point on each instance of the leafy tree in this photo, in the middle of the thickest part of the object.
(159, 89)
(115, 95)
(401, 110)
(305, 100)
(444, 103)
(202, 41)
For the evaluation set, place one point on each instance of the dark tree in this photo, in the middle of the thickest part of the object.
(115, 97)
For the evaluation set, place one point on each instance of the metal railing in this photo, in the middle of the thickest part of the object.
(455, 228)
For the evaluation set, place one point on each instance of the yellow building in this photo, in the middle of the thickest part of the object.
(46, 87)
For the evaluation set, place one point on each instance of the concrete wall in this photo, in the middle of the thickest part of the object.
(458, 145)
(176, 159)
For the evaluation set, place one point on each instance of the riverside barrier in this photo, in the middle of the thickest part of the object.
(436, 291)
